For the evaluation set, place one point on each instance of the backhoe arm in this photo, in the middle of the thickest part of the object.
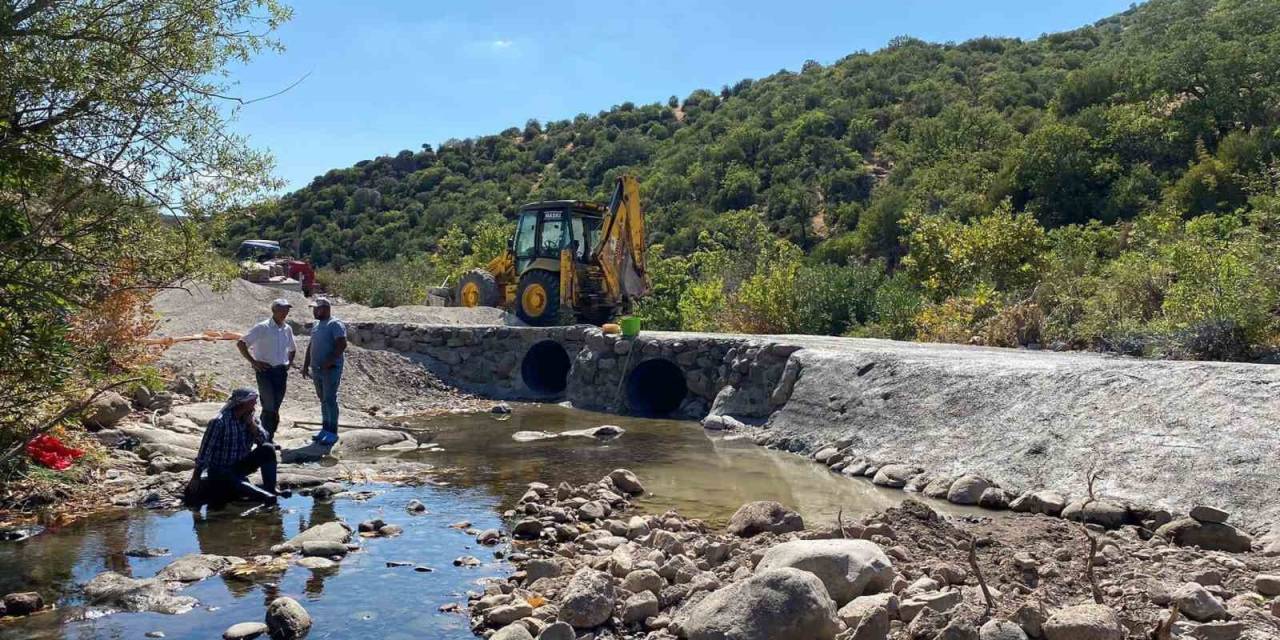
(621, 253)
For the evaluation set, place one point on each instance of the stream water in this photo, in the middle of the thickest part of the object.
(682, 467)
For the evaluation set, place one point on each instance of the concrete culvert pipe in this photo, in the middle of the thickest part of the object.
(656, 388)
(545, 368)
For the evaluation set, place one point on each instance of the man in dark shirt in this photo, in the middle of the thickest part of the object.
(235, 445)
(323, 364)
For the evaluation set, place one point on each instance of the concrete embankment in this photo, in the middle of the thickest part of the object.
(1163, 434)
(1170, 434)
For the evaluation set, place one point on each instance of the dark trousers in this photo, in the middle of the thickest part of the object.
(271, 387)
(229, 483)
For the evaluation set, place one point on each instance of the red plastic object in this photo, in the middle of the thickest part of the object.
(49, 451)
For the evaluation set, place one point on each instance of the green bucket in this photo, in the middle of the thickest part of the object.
(630, 326)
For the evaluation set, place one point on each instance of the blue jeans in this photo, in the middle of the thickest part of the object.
(326, 381)
(271, 387)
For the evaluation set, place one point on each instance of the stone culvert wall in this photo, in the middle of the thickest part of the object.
(481, 359)
(655, 374)
(646, 375)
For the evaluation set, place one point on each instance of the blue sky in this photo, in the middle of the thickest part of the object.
(386, 75)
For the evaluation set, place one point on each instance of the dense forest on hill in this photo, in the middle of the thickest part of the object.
(1115, 187)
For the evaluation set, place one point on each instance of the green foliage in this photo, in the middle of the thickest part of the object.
(396, 283)
(1001, 250)
(670, 278)
(894, 308)
(996, 190)
(461, 250)
(116, 169)
(1180, 276)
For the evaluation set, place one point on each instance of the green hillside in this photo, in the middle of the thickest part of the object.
(1109, 187)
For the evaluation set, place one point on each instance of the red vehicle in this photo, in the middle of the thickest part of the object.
(261, 262)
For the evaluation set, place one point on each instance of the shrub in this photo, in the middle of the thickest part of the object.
(669, 277)
(1015, 325)
(958, 318)
(403, 281)
(1003, 249)
(702, 306)
(831, 299)
(894, 307)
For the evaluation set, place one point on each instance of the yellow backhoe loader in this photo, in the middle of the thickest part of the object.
(567, 256)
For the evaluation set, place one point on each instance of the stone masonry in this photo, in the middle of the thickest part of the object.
(742, 377)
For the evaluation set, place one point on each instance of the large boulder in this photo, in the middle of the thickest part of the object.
(861, 608)
(512, 632)
(1105, 513)
(21, 604)
(639, 607)
(244, 631)
(113, 589)
(939, 601)
(287, 620)
(327, 532)
(588, 600)
(997, 629)
(1084, 622)
(780, 603)
(967, 489)
(847, 568)
(764, 516)
(895, 475)
(626, 482)
(197, 566)
(644, 580)
(1047, 503)
(1197, 603)
(354, 440)
(557, 631)
(106, 410)
(1213, 536)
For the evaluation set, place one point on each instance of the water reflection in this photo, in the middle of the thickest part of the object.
(701, 474)
(682, 467)
(55, 562)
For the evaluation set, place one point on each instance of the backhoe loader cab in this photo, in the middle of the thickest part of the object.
(580, 256)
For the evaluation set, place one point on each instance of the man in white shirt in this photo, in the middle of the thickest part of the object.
(269, 347)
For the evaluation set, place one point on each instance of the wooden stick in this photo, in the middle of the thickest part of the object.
(977, 573)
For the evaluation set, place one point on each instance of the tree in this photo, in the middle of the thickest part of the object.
(114, 156)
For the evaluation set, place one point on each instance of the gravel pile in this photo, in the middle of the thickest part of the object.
(374, 382)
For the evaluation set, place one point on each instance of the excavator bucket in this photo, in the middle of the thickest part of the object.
(621, 253)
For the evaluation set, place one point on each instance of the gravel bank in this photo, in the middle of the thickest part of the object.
(374, 382)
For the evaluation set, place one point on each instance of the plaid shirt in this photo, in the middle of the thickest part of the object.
(226, 441)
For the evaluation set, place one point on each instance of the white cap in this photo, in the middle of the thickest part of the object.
(281, 302)
(319, 301)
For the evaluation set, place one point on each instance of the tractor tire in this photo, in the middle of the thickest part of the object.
(538, 298)
(478, 288)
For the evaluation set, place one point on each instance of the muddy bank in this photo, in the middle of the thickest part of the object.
(589, 563)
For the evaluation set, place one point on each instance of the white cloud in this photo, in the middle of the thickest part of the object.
(499, 45)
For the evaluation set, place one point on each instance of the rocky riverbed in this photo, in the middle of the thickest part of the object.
(588, 564)
(600, 559)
